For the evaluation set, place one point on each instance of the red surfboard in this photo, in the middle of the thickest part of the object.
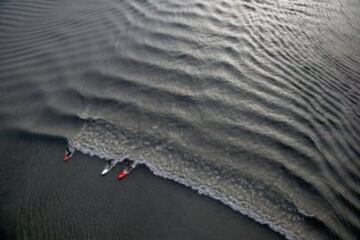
(122, 174)
(68, 154)
(125, 172)
(66, 158)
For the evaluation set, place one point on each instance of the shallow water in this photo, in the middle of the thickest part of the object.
(254, 103)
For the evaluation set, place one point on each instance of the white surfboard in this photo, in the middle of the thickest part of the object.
(109, 166)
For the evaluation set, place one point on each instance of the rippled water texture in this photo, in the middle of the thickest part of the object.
(254, 103)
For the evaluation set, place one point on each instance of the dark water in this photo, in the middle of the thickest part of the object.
(43, 198)
(254, 103)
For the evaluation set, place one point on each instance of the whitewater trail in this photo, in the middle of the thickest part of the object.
(241, 193)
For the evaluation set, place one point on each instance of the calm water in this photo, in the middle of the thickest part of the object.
(253, 102)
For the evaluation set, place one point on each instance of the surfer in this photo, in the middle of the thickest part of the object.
(68, 153)
(111, 163)
(127, 161)
(129, 166)
(108, 166)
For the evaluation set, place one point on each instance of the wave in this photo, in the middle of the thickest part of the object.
(253, 103)
(258, 200)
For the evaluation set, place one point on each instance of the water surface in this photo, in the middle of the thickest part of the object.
(253, 103)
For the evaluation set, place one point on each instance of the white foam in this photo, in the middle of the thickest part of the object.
(229, 201)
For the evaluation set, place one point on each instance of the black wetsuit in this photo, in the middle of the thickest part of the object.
(68, 152)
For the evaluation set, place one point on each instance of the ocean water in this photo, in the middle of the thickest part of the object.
(254, 103)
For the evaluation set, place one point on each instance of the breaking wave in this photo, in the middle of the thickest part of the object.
(252, 102)
(233, 186)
